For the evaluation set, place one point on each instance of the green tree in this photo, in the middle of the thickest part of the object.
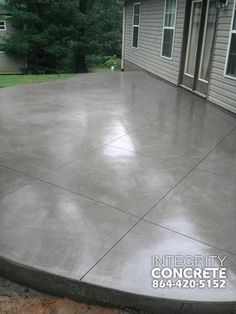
(105, 27)
(56, 35)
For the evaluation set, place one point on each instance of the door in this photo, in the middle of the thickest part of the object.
(200, 42)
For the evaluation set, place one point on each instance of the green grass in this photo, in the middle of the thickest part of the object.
(97, 69)
(23, 79)
(13, 80)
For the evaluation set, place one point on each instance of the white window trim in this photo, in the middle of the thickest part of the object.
(5, 26)
(168, 27)
(138, 26)
(229, 43)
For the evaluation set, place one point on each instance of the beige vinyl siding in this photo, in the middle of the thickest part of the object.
(148, 54)
(9, 65)
(222, 90)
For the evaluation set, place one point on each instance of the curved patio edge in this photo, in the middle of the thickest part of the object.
(59, 286)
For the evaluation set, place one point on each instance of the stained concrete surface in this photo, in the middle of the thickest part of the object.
(100, 172)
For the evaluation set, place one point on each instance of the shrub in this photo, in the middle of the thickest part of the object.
(113, 61)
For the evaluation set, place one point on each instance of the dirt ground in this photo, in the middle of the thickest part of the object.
(17, 299)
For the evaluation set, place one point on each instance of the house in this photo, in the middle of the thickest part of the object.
(190, 43)
(8, 64)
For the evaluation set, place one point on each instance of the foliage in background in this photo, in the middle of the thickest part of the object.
(105, 27)
(56, 36)
(113, 61)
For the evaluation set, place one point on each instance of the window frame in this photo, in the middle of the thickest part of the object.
(134, 25)
(232, 31)
(5, 26)
(169, 27)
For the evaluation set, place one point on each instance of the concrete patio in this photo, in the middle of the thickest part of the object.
(99, 173)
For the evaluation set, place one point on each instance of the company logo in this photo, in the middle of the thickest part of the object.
(189, 271)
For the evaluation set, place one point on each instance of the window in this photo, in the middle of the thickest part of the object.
(208, 42)
(231, 56)
(136, 23)
(168, 28)
(194, 28)
(2, 25)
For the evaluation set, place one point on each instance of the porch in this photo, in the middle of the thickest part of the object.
(102, 172)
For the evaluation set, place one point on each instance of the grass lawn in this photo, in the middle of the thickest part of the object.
(97, 69)
(21, 79)
(95, 64)
(12, 80)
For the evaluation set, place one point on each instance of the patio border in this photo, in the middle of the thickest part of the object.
(59, 286)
